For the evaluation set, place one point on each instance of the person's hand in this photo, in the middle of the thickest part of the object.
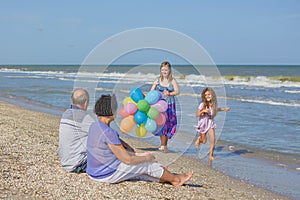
(205, 110)
(166, 93)
(150, 157)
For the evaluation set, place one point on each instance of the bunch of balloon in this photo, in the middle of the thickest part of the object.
(146, 113)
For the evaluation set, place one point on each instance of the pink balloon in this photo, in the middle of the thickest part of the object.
(161, 119)
(161, 105)
(130, 108)
(123, 113)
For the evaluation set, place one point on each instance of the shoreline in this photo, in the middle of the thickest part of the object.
(281, 160)
(266, 156)
(285, 161)
(31, 168)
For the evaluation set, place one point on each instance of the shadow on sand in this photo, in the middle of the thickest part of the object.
(148, 149)
(229, 153)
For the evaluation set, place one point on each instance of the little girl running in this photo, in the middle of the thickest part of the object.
(207, 110)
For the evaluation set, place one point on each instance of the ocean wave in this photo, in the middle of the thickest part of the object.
(292, 91)
(244, 99)
(265, 81)
(11, 70)
(24, 70)
(190, 80)
(270, 102)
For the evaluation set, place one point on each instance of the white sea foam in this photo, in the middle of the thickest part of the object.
(270, 102)
(262, 81)
(10, 70)
(292, 91)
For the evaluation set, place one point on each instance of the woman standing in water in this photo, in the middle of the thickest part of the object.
(168, 87)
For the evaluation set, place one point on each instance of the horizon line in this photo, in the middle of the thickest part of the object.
(175, 64)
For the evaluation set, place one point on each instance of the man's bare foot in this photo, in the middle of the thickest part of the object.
(183, 178)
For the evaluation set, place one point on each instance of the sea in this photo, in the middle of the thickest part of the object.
(258, 140)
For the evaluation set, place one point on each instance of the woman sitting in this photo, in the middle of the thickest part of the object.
(108, 161)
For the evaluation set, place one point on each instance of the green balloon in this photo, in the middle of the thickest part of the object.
(152, 113)
(143, 105)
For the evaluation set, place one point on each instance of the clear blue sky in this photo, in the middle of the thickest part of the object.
(231, 31)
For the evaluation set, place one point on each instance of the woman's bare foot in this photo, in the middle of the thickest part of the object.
(182, 178)
(164, 149)
(212, 158)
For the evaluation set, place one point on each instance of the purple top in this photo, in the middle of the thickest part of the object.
(205, 122)
(101, 161)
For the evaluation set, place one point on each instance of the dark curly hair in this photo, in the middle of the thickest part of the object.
(106, 105)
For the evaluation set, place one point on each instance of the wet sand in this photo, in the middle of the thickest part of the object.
(30, 168)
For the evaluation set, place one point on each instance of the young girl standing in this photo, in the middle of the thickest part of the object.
(206, 112)
(168, 87)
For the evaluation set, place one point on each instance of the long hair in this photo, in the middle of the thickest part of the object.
(166, 64)
(213, 101)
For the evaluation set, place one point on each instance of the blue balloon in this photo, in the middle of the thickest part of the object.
(140, 117)
(152, 96)
(150, 125)
(136, 94)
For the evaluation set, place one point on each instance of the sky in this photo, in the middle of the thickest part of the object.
(231, 31)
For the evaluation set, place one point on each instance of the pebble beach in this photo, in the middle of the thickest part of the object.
(30, 168)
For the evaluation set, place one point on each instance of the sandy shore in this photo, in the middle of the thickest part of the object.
(30, 168)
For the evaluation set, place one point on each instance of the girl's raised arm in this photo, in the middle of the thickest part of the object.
(224, 109)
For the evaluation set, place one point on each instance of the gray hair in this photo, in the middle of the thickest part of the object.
(80, 96)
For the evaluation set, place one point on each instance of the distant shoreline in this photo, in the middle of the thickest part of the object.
(142, 65)
(179, 65)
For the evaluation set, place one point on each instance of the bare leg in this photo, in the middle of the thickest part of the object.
(203, 138)
(164, 143)
(175, 180)
(210, 162)
(211, 134)
(198, 141)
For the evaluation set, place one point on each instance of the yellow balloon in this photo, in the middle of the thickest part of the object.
(127, 100)
(141, 131)
(131, 100)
